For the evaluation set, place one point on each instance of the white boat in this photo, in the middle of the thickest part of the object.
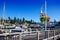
(17, 29)
(1, 26)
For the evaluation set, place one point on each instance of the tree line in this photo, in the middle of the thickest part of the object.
(17, 20)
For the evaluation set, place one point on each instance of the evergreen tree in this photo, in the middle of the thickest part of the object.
(12, 22)
(14, 19)
(18, 20)
(54, 21)
(31, 21)
(23, 20)
(9, 20)
(1, 20)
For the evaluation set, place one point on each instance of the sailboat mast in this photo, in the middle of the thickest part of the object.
(46, 15)
(3, 13)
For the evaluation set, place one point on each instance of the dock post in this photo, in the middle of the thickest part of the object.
(38, 34)
(54, 35)
(20, 37)
(48, 33)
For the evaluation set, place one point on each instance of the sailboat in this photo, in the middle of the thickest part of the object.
(43, 17)
(3, 23)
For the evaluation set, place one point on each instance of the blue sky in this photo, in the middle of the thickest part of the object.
(30, 9)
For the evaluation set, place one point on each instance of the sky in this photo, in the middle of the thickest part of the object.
(30, 9)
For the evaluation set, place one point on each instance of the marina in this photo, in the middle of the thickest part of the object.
(21, 29)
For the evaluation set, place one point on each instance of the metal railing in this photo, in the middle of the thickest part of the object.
(10, 37)
(33, 35)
